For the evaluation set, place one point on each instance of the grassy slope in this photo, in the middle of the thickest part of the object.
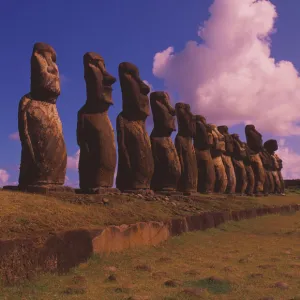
(249, 257)
(22, 215)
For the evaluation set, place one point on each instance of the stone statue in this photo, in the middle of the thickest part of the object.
(167, 167)
(44, 156)
(238, 156)
(254, 141)
(202, 143)
(271, 146)
(95, 135)
(185, 149)
(217, 150)
(227, 159)
(135, 160)
(249, 171)
(268, 165)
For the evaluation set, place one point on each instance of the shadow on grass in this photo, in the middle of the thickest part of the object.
(214, 287)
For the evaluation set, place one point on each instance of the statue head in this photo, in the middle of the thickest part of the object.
(185, 119)
(163, 112)
(45, 83)
(219, 139)
(134, 92)
(271, 146)
(200, 118)
(254, 138)
(228, 138)
(236, 136)
(98, 81)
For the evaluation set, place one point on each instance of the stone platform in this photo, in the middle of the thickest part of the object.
(40, 189)
(98, 191)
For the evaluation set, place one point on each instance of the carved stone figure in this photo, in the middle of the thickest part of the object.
(95, 135)
(271, 146)
(185, 149)
(202, 143)
(43, 156)
(135, 160)
(217, 150)
(238, 157)
(268, 165)
(249, 171)
(167, 167)
(227, 159)
(254, 141)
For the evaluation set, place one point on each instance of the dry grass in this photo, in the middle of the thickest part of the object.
(248, 258)
(25, 215)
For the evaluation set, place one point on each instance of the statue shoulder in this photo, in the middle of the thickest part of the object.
(25, 100)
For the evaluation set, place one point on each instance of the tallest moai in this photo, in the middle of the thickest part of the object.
(43, 156)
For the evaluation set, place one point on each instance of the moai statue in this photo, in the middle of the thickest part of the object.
(167, 167)
(202, 143)
(227, 159)
(44, 155)
(135, 160)
(271, 146)
(185, 149)
(216, 151)
(249, 172)
(254, 141)
(268, 165)
(95, 134)
(238, 157)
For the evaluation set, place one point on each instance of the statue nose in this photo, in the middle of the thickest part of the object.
(52, 70)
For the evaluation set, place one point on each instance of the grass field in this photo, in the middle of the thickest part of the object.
(25, 215)
(250, 259)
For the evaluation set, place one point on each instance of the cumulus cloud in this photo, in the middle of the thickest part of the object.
(291, 161)
(230, 76)
(14, 136)
(72, 162)
(4, 176)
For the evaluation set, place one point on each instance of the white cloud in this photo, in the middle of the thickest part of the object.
(72, 162)
(291, 161)
(14, 136)
(4, 176)
(231, 77)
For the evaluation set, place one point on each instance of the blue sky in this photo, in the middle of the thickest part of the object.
(119, 30)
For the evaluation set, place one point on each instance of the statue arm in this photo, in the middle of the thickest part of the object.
(121, 142)
(179, 152)
(80, 133)
(23, 127)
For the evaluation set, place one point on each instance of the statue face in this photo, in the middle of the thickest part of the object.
(186, 120)
(99, 82)
(163, 112)
(44, 72)
(134, 91)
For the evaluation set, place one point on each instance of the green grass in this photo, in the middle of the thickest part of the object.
(248, 258)
(25, 215)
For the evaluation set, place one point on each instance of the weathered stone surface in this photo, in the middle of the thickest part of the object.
(135, 160)
(118, 238)
(178, 226)
(249, 172)
(185, 149)
(220, 217)
(216, 151)
(271, 146)
(43, 155)
(208, 220)
(254, 141)
(95, 134)
(203, 142)
(195, 223)
(167, 167)
(238, 156)
(227, 159)
(268, 165)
